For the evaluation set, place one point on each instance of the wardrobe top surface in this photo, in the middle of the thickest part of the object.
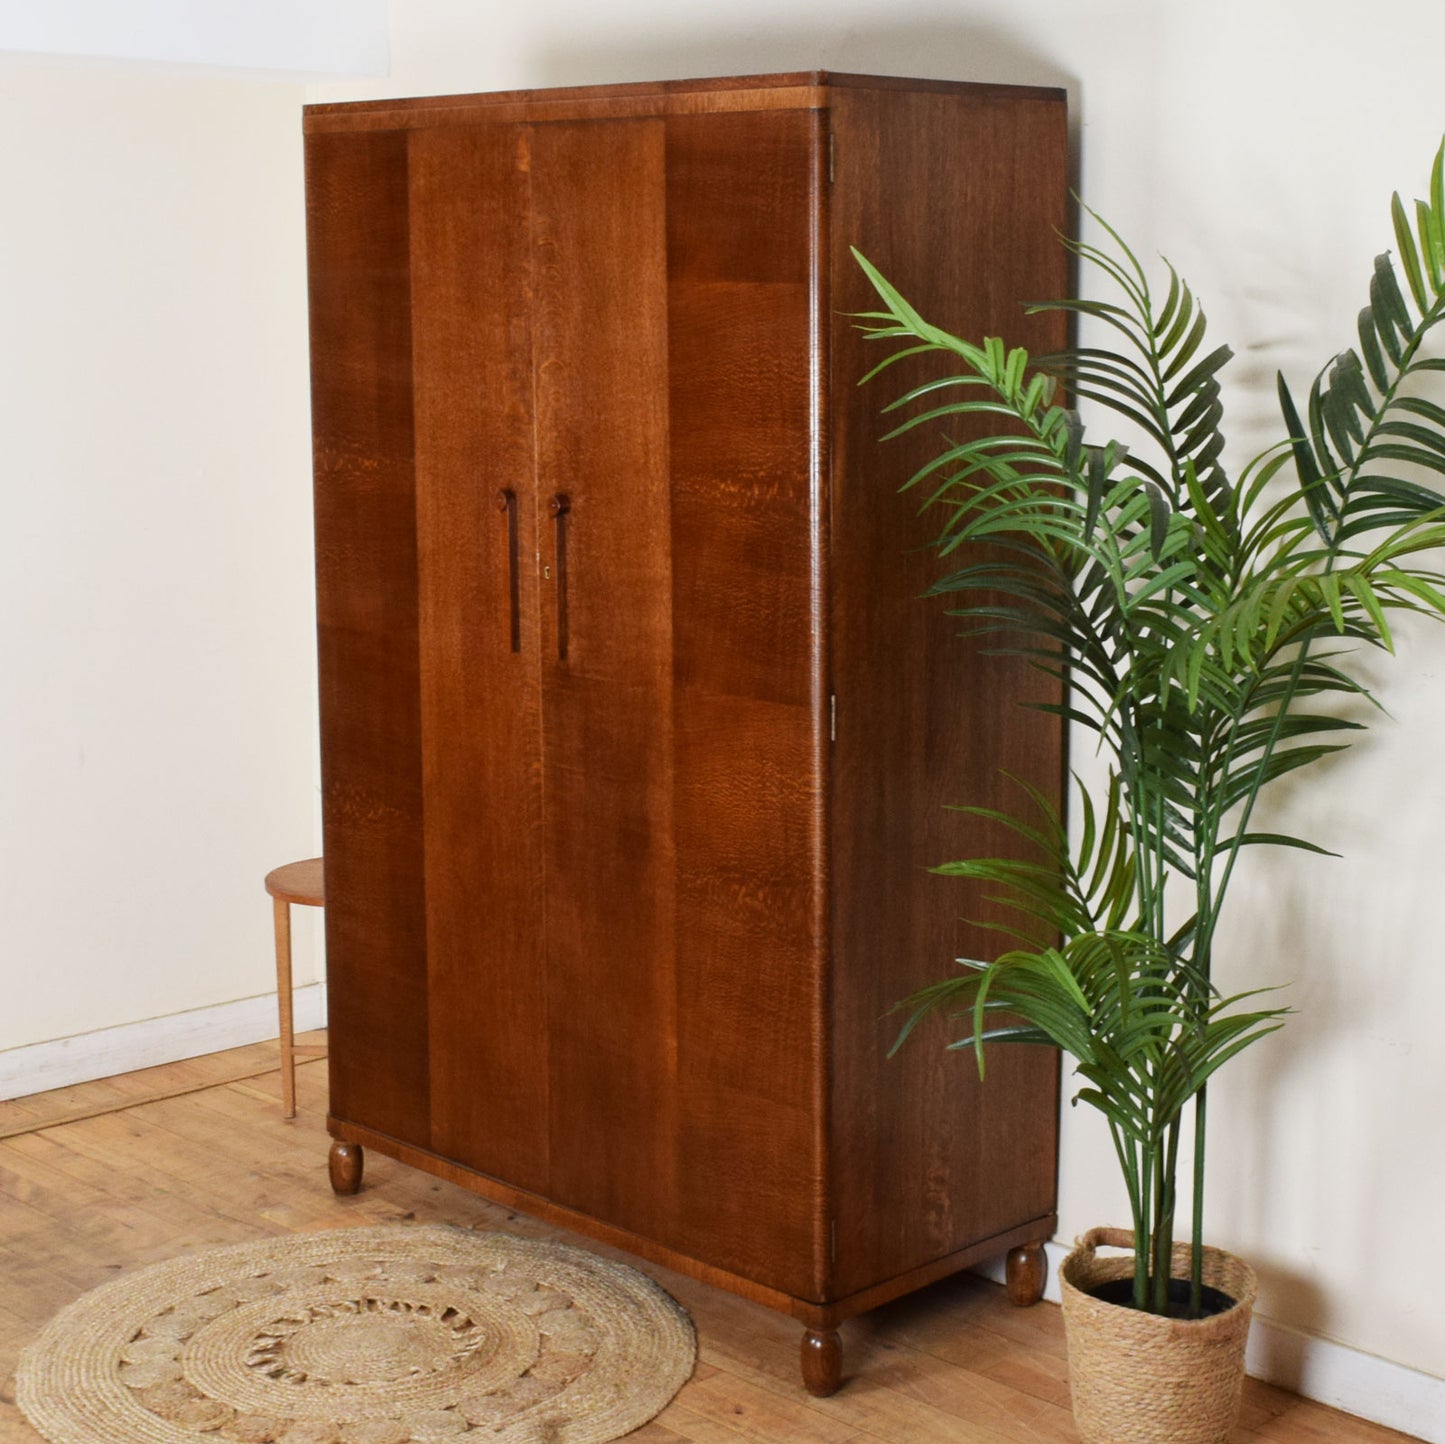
(799, 90)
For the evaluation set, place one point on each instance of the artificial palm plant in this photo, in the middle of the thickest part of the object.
(1203, 624)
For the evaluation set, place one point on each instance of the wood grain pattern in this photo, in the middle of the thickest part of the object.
(822, 1362)
(480, 699)
(665, 915)
(925, 1157)
(600, 337)
(77, 1101)
(345, 1164)
(955, 1362)
(815, 1315)
(796, 90)
(648, 104)
(1025, 1272)
(367, 603)
(299, 882)
(748, 786)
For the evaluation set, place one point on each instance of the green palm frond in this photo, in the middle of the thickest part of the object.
(1365, 421)
(1118, 1004)
(1165, 382)
(1203, 628)
(1065, 888)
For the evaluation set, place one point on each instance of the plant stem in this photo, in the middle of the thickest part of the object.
(1129, 1165)
(1164, 1224)
(1144, 1235)
(1196, 1259)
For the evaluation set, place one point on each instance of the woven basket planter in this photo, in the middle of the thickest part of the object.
(1143, 1378)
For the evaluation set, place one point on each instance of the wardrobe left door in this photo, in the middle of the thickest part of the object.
(478, 632)
(363, 427)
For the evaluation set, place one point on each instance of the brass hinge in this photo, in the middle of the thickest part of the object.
(833, 718)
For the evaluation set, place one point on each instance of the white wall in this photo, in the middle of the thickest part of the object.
(157, 713)
(347, 36)
(1256, 144)
(157, 687)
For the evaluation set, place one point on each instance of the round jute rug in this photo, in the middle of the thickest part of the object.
(362, 1336)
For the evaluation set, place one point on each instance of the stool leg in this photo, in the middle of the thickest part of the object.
(283, 1002)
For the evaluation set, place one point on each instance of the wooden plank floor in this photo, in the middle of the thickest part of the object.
(212, 1162)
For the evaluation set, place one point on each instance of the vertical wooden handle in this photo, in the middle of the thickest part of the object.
(507, 502)
(561, 507)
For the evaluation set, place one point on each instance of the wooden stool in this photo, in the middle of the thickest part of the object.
(297, 882)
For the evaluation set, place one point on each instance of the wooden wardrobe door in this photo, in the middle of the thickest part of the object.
(750, 706)
(600, 353)
(480, 723)
(366, 598)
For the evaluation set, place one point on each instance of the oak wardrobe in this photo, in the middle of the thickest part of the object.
(637, 740)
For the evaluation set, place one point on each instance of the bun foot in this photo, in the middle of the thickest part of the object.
(822, 1362)
(1024, 1274)
(345, 1164)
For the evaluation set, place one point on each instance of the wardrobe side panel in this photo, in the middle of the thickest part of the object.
(366, 574)
(748, 710)
(477, 516)
(958, 200)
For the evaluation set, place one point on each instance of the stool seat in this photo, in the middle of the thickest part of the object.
(298, 882)
(302, 883)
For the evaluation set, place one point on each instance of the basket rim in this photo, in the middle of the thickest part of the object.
(1082, 1269)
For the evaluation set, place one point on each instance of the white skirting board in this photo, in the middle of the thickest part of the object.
(38, 1067)
(1346, 1379)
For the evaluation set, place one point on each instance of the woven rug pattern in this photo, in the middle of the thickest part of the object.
(402, 1334)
